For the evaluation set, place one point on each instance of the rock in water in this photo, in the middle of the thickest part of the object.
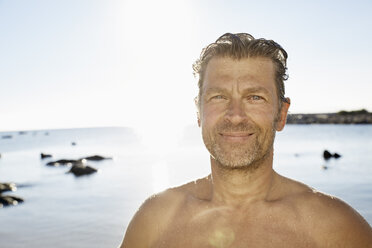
(336, 155)
(327, 155)
(43, 155)
(64, 162)
(6, 200)
(7, 187)
(80, 170)
(96, 158)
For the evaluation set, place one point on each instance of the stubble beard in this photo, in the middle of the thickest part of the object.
(248, 155)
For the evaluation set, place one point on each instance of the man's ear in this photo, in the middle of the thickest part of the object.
(282, 115)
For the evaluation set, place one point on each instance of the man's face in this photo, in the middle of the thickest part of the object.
(239, 110)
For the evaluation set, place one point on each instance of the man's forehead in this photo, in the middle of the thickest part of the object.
(254, 71)
(225, 61)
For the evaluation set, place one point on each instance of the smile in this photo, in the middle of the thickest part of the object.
(236, 136)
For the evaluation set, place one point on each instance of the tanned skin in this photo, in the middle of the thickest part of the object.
(244, 206)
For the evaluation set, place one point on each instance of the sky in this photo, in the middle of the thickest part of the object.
(90, 63)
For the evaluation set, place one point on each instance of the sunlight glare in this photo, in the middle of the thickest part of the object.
(158, 71)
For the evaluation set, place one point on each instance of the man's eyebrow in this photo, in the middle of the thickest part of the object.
(210, 90)
(256, 89)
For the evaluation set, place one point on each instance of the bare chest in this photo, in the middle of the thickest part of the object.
(226, 230)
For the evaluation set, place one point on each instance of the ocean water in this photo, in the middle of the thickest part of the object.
(61, 210)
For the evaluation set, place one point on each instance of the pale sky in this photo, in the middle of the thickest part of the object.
(74, 63)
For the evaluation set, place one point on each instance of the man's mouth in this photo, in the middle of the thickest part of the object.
(236, 136)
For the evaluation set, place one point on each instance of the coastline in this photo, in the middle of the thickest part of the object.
(342, 117)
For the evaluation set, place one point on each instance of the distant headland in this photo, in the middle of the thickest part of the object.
(342, 117)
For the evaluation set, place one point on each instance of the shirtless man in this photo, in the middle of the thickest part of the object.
(244, 202)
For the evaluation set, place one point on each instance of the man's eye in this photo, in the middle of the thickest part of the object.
(255, 98)
(218, 97)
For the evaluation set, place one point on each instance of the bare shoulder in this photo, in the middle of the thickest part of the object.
(336, 223)
(155, 215)
(332, 221)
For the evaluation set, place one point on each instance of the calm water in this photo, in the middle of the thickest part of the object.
(61, 210)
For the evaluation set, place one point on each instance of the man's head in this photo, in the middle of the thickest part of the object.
(241, 99)
(243, 45)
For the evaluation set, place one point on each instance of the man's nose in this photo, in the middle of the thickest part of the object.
(236, 111)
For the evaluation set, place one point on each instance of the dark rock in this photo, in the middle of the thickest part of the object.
(327, 155)
(96, 158)
(64, 162)
(336, 155)
(6, 200)
(6, 136)
(43, 155)
(22, 132)
(80, 170)
(7, 187)
(73, 143)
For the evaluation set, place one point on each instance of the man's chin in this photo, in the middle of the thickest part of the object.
(231, 162)
(239, 157)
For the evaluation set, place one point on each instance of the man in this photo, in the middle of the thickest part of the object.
(244, 202)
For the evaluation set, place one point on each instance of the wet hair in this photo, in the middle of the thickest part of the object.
(240, 46)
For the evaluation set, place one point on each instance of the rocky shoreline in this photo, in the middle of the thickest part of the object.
(342, 117)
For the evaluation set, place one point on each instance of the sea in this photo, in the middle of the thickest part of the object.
(62, 210)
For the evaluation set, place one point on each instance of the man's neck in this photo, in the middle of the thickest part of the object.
(243, 186)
